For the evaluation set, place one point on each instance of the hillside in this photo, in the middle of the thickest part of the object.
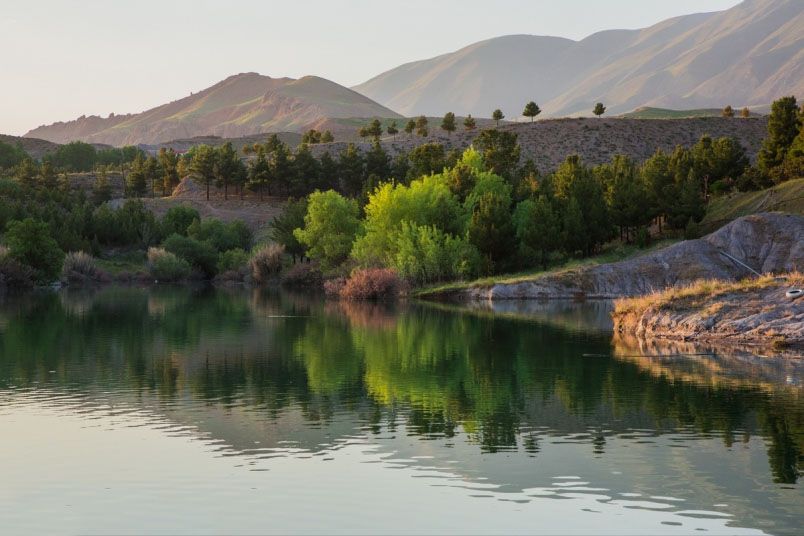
(241, 105)
(647, 112)
(33, 146)
(549, 142)
(785, 197)
(749, 55)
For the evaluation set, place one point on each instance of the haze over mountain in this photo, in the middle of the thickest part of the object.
(240, 105)
(750, 54)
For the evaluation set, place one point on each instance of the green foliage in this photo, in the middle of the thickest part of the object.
(221, 236)
(30, 243)
(350, 170)
(531, 110)
(426, 201)
(426, 159)
(490, 227)
(102, 190)
(599, 109)
(74, 156)
(284, 225)
(201, 255)
(498, 116)
(448, 123)
(11, 155)
(131, 224)
(137, 180)
(169, 166)
(330, 226)
(203, 165)
(232, 260)
(426, 254)
(469, 122)
(165, 266)
(500, 151)
(421, 126)
(178, 219)
(783, 127)
(538, 231)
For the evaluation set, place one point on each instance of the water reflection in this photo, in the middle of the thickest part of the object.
(482, 398)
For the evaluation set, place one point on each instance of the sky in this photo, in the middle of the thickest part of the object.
(66, 58)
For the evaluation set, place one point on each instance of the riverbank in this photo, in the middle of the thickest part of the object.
(752, 312)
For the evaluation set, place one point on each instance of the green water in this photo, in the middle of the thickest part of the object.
(178, 411)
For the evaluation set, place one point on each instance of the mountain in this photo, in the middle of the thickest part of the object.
(749, 55)
(240, 105)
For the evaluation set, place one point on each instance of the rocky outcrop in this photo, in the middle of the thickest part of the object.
(767, 243)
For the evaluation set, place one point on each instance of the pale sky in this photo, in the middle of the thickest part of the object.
(63, 59)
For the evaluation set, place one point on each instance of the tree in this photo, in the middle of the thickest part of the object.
(169, 162)
(11, 155)
(783, 126)
(152, 173)
(311, 137)
(426, 159)
(500, 151)
(392, 130)
(328, 171)
(350, 170)
(448, 123)
(305, 172)
(284, 225)
(30, 243)
(410, 127)
(469, 123)
(375, 129)
(498, 116)
(228, 168)
(421, 126)
(745, 112)
(531, 110)
(377, 163)
(330, 226)
(202, 165)
(137, 181)
(327, 137)
(728, 111)
(26, 172)
(625, 193)
(282, 170)
(599, 109)
(47, 176)
(491, 229)
(537, 231)
(259, 172)
(102, 190)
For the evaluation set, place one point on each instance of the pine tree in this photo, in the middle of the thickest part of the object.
(410, 127)
(448, 123)
(327, 137)
(531, 110)
(783, 126)
(421, 126)
(728, 111)
(498, 116)
(599, 109)
(469, 122)
(392, 130)
(745, 112)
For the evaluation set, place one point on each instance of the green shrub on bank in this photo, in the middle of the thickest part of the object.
(165, 266)
(178, 220)
(200, 255)
(232, 260)
(29, 242)
(222, 236)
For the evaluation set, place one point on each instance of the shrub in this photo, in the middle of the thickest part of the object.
(329, 229)
(266, 262)
(200, 255)
(165, 266)
(14, 274)
(79, 266)
(222, 236)
(372, 284)
(178, 220)
(232, 260)
(333, 287)
(303, 275)
(29, 242)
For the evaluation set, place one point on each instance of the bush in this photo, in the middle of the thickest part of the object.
(132, 223)
(79, 266)
(178, 220)
(329, 229)
(165, 266)
(29, 242)
(222, 236)
(200, 255)
(266, 262)
(372, 284)
(14, 274)
(232, 260)
(303, 275)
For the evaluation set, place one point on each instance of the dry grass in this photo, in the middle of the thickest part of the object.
(266, 262)
(697, 294)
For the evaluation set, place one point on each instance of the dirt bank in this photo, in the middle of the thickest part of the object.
(767, 243)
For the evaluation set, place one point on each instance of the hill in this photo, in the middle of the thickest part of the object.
(549, 142)
(647, 112)
(240, 105)
(750, 54)
(785, 197)
(33, 146)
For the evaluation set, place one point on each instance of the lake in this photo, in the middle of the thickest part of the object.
(187, 411)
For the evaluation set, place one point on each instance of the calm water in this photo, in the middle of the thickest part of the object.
(177, 411)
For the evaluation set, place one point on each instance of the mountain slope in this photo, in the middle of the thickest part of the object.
(240, 105)
(747, 55)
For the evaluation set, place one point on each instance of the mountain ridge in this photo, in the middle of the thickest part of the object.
(691, 61)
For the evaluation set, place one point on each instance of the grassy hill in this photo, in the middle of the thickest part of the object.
(785, 197)
(646, 112)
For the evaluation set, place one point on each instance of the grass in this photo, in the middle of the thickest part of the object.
(614, 253)
(696, 295)
(666, 113)
(785, 197)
